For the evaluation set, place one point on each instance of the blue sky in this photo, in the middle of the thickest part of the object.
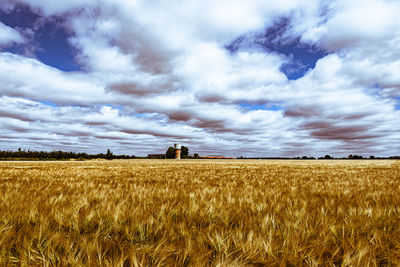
(241, 79)
(49, 43)
(301, 56)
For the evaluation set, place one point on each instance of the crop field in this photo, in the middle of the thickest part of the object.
(200, 213)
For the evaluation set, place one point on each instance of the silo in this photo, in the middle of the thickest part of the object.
(177, 151)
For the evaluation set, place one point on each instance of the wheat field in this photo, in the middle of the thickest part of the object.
(200, 213)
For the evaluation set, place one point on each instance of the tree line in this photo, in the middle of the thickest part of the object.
(169, 154)
(325, 157)
(59, 155)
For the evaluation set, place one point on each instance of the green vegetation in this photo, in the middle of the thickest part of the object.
(170, 153)
(57, 155)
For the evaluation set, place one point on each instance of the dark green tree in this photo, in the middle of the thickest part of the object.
(184, 152)
(170, 154)
(109, 154)
(355, 156)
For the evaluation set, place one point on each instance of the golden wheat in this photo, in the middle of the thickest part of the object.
(200, 213)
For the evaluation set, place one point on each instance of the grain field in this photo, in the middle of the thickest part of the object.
(200, 213)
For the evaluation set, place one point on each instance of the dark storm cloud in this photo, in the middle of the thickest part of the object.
(181, 115)
(108, 137)
(211, 97)
(144, 86)
(127, 88)
(149, 55)
(332, 131)
(153, 133)
(8, 114)
(304, 111)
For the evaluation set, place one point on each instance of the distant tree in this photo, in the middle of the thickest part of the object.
(371, 157)
(196, 156)
(170, 154)
(109, 154)
(355, 157)
(328, 157)
(184, 152)
(59, 155)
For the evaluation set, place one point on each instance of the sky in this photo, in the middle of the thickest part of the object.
(256, 78)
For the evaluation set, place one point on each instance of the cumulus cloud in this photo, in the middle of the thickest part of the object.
(212, 75)
(350, 24)
(8, 35)
(29, 78)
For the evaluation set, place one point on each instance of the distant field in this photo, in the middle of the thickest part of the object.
(200, 213)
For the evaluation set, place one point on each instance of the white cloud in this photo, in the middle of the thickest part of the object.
(8, 35)
(29, 78)
(350, 24)
(159, 72)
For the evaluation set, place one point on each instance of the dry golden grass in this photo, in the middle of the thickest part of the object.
(200, 213)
